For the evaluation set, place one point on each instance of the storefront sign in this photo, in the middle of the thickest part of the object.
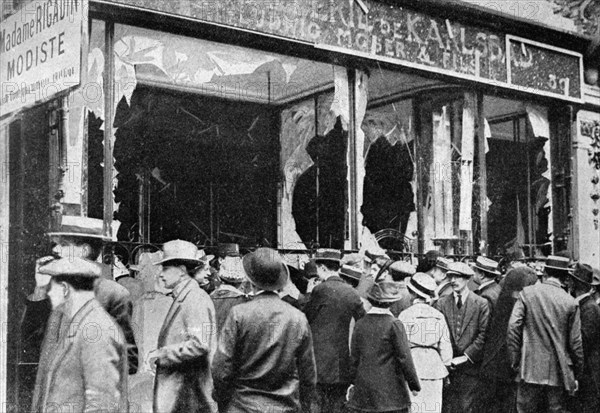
(40, 52)
(544, 69)
(397, 35)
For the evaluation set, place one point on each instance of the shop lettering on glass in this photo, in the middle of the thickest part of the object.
(542, 68)
(412, 37)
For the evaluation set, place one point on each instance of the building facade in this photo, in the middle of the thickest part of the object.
(455, 126)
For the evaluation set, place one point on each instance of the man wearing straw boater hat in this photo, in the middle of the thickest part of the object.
(381, 369)
(78, 237)
(332, 306)
(544, 341)
(430, 345)
(265, 361)
(587, 398)
(467, 317)
(87, 370)
(229, 293)
(486, 273)
(187, 339)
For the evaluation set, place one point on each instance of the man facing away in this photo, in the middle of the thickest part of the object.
(332, 306)
(87, 370)
(486, 272)
(265, 360)
(544, 341)
(187, 339)
(587, 398)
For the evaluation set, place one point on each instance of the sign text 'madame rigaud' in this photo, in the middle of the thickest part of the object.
(40, 52)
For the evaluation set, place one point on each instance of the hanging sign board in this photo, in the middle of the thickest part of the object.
(40, 52)
(545, 70)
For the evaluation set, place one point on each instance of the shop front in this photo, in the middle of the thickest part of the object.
(323, 124)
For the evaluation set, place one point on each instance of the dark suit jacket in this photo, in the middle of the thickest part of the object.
(186, 345)
(88, 371)
(332, 305)
(224, 298)
(265, 360)
(382, 365)
(589, 381)
(544, 336)
(490, 292)
(467, 327)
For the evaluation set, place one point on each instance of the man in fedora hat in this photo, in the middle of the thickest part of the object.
(486, 273)
(467, 317)
(187, 339)
(87, 370)
(332, 306)
(431, 349)
(265, 359)
(544, 341)
(382, 368)
(587, 398)
(78, 237)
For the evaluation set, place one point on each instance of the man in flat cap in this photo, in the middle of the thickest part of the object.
(587, 398)
(467, 318)
(188, 337)
(438, 273)
(544, 341)
(332, 306)
(87, 370)
(79, 237)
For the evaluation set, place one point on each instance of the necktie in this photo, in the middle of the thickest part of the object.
(459, 302)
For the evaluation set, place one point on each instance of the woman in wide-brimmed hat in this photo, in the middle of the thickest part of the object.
(381, 362)
(431, 351)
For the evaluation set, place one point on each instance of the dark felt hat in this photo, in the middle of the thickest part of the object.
(265, 269)
(229, 250)
(583, 273)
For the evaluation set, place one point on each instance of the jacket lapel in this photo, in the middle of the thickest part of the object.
(173, 311)
(469, 311)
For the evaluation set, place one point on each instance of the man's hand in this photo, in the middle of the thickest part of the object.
(42, 280)
(458, 361)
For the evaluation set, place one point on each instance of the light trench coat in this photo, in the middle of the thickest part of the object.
(431, 350)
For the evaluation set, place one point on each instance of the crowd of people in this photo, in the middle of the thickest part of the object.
(353, 333)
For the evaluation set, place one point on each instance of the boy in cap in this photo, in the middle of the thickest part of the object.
(188, 337)
(332, 306)
(265, 361)
(544, 341)
(381, 369)
(587, 398)
(467, 317)
(87, 370)
(429, 341)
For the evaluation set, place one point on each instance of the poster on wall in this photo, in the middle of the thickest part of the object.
(40, 52)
